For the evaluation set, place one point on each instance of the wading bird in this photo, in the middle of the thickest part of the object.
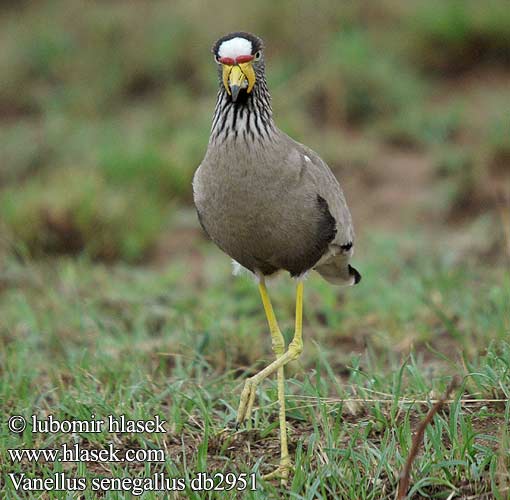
(269, 202)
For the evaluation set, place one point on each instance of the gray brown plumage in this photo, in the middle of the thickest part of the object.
(266, 200)
(270, 203)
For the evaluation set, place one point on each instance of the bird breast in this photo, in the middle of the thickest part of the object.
(260, 208)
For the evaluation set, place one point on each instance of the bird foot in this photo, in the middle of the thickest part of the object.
(282, 472)
(246, 402)
(251, 384)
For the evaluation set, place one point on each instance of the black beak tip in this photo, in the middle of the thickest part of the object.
(234, 90)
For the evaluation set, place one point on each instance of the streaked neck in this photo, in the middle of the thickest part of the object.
(249, 120)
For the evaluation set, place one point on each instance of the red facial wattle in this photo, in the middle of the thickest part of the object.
(230, 61)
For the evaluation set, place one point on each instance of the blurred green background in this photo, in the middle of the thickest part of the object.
(105, 109)
(112, 300)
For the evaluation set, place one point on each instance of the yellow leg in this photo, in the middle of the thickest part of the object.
(293, 352)
(277, 342)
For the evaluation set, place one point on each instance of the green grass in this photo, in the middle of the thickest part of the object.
(72, 211)
(81, 338)
(419, 127)
(455, 36)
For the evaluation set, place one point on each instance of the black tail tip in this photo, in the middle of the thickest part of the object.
(355, 274)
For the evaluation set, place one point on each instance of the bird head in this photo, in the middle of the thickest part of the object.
(239, 56)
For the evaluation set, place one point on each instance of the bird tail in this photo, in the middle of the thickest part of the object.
(338, 272)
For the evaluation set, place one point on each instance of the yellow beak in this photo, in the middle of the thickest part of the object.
(237, 77)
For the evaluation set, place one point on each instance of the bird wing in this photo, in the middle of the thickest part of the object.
(316, 172)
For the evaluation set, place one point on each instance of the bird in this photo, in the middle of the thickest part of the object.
(270, 203)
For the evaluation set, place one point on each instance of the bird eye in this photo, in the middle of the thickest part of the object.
(217, 58)
(257, 55)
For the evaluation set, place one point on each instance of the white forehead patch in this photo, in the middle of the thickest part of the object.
(235, 47)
